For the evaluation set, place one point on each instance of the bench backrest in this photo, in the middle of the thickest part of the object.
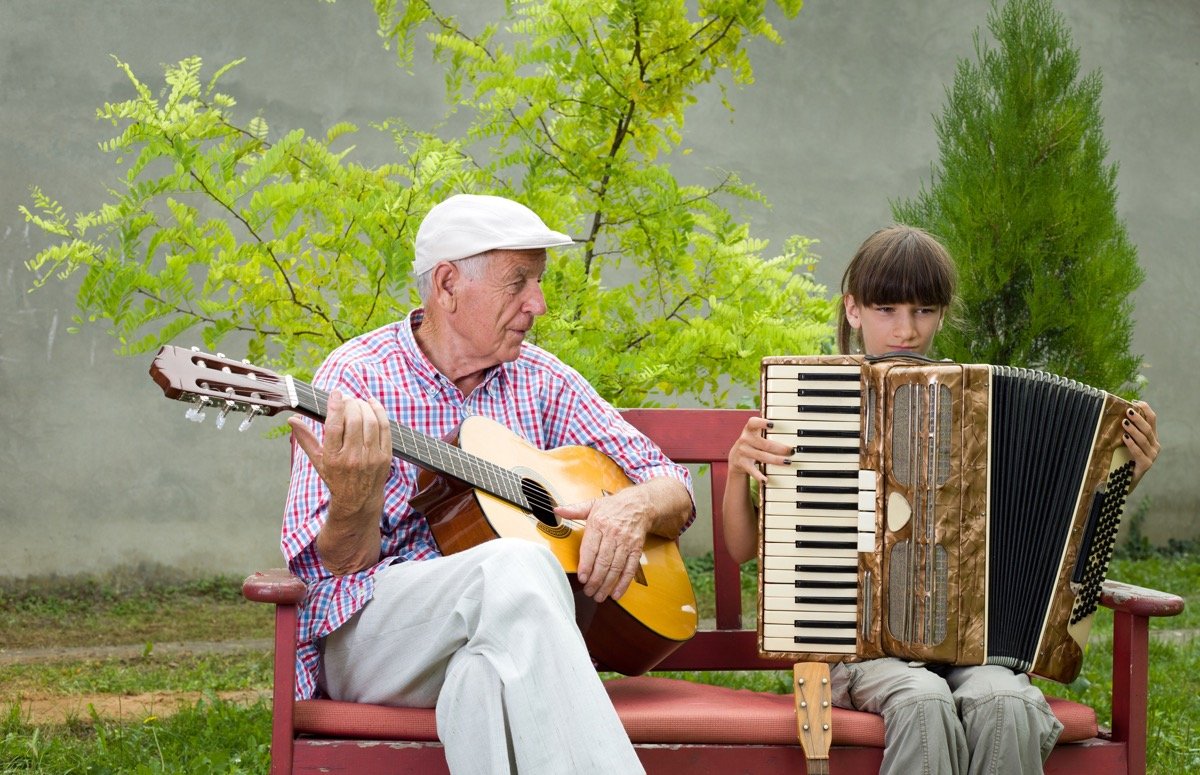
(704, 436)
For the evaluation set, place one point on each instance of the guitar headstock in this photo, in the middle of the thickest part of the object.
(225, 384)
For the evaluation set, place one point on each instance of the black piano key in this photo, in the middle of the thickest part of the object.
(825, 505)
(820, 374)
(825, 584)
(825, 489)
(837, 473)
(838, 529)
(825, 640)
(800, 448)
(812, 600)
(827, 393)
(811, 544)
(827, 434)
(850, 567)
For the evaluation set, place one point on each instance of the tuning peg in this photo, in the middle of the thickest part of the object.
(196, 413)
(253, 412)
(225, 410)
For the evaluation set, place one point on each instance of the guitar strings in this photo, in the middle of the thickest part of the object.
(459, 462)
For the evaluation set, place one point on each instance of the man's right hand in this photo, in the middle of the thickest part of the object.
(354, 461)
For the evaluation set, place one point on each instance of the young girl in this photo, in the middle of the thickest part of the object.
(896, 294)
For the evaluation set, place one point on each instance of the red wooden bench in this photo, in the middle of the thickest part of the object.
(685, 727)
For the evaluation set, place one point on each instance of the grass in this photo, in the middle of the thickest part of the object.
(137, 675)
(132, 606)
(213, 735)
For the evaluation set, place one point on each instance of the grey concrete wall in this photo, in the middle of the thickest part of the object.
(97, 470)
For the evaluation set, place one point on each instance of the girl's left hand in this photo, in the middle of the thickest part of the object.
(1141, 438)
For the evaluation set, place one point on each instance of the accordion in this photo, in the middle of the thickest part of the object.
(937, 512)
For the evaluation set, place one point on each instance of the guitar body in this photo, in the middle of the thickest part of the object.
(630, 635)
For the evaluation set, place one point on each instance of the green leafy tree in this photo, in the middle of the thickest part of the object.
(1026, 203)
(226, 226)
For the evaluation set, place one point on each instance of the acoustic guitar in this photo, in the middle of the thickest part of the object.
(484, 482)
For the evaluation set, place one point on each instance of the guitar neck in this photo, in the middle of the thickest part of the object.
(425, 451)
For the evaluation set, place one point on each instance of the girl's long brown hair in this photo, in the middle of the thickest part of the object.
(896, 265)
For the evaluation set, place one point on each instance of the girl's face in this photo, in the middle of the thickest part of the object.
(887, 328)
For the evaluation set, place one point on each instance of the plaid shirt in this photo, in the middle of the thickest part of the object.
(536, 396)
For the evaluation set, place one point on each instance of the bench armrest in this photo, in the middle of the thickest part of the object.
(276, 585)
(1139, 601)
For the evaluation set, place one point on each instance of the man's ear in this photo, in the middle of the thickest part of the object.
(446, 279)
(851, 306)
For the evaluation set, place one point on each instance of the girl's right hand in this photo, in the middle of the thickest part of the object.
(753, 450)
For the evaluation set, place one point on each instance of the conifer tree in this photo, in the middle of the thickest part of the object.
(1024, 199)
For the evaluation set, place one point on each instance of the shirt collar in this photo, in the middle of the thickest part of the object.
(431, 379)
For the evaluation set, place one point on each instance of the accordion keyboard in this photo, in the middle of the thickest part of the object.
(818, 512)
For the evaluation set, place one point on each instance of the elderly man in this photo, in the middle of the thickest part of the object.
(486, 635)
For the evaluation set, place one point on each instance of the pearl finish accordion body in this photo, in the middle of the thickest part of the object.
(937, 512)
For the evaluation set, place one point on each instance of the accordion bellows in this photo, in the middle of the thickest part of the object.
(939, 512)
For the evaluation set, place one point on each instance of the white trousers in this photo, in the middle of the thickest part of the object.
(488, 638)
(980, 720)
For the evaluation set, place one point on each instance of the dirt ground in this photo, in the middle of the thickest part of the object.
(41, 709)
(46, 710)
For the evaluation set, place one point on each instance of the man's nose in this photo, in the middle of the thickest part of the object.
(536, 303)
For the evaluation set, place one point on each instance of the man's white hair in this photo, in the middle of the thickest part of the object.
(472, 266)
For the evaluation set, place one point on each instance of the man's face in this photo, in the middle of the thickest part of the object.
(498, 307)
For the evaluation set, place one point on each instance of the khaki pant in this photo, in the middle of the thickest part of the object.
(488, 638)
(976, 720)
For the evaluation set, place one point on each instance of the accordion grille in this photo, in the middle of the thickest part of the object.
(920, 461)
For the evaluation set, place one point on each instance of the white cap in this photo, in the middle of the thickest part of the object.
(468, 224)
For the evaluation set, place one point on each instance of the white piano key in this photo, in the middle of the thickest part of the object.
(783, 597)
(777, 562)
(792, 413)
(780, 621)
(793, 579)
(772, 645)
(808, 521)
(784, 371)
(789, 549)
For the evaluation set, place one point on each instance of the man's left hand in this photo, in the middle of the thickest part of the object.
(613, 537)
(615, 531)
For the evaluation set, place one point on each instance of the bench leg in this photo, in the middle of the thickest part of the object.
(1131, 645)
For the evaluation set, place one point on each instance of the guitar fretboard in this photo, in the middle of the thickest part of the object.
(433, 454)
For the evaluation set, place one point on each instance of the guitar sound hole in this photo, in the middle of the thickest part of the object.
(541, 504)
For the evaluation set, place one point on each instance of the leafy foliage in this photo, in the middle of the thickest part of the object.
(1026, 203)
(225, 226)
